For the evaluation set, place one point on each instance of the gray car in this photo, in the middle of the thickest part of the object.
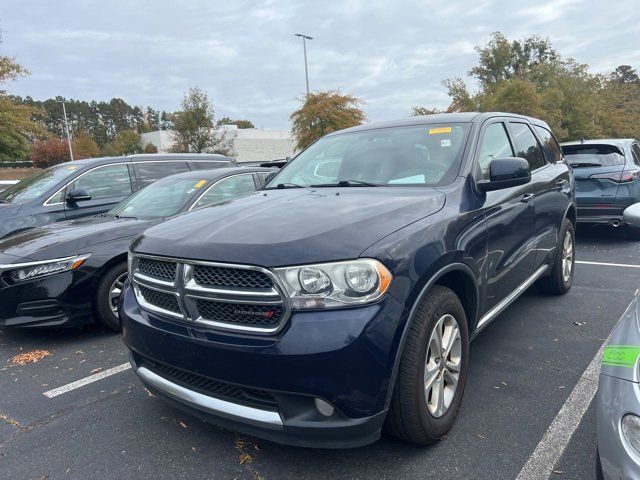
(618, 408)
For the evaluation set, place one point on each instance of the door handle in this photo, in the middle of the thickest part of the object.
(526, 197)
(561, 183)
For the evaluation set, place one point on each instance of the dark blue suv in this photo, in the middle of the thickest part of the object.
(341, 298)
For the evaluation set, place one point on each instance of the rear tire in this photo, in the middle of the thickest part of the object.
(560, 279)
(421, 413)
(105, 300)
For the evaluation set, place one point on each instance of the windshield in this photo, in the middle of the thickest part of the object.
(416, 155)
(163, 198)
(593, 155)
(38, 184)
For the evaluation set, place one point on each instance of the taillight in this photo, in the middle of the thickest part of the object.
(618, 177)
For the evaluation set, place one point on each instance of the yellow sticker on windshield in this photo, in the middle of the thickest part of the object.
(199, 184)
(435, 131)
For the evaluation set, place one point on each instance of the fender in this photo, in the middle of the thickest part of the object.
(461, 267)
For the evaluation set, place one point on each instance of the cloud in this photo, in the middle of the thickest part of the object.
(394, 55)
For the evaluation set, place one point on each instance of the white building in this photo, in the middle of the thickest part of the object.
(249, 144)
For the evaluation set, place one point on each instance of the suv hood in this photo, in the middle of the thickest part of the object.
(292, 226)
(69, 238)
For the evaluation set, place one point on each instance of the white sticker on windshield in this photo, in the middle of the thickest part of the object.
(445, 142)
(412, 179)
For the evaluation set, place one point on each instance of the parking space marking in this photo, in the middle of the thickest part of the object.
(86, 381)
(554, 441)
(602, 264)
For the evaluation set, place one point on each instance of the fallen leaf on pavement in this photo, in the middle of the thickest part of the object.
(183, 425)
(29, 357)
(245, 458)
(149, 393)
(96, 370)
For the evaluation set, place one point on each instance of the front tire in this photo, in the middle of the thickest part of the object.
(105, 300)
(560, 279)
(433, 370)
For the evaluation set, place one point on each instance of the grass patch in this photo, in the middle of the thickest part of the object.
(17, 173)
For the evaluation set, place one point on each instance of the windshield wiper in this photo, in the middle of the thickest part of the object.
(121, 216)
(348, 183)
(280, 186)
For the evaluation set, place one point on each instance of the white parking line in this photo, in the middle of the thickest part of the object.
(602, 264)
(554, 441)
(86, 381)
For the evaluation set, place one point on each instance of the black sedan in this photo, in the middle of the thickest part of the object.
(67, 273)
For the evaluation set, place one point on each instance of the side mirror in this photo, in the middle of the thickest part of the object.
(505, 173)
(270, 176)
(78, 195)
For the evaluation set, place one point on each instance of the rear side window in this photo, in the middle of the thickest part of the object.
(494, 144)
(105, 182)
(593, 155)
(635, 152)
(149, 172)
(527, 146)
(549, 145)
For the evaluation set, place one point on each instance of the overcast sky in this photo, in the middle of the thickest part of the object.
(392, 54)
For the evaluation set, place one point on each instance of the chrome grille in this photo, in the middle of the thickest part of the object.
(165, 301)
(240, 314)
(219, 296)
(230, 277)
(157, 268)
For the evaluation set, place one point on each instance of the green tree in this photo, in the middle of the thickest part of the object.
(127, 142)
(108, 150)
(239, 123)
(323, 113)
(17, 127)
(194, 126)
(84, 147)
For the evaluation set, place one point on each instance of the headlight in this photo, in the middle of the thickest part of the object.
(336, 284)
(631, 431)
(28, 271)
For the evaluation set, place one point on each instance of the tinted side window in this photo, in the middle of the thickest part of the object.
(105, 182)
(549, 145)
(494, 144)
(527, 146)
(211, 165)
(635, 153)
(151, 171)
(227, 189)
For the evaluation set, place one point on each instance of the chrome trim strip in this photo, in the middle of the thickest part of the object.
(209, 404)
(506, 301)
(152, 280)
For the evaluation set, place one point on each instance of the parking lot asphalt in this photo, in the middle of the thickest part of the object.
(524, 366)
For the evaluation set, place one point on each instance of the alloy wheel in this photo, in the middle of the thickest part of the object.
(442, 365)
(114, 293)
(567, 256)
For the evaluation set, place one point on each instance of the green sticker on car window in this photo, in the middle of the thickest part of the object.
(621, 355)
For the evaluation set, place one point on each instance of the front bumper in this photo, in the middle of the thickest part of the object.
(343, 357)
(62, 299)
(616, 398)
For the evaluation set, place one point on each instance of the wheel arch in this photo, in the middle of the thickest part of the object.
(460, 278)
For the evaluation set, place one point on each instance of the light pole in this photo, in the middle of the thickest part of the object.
(304, 46)
(66, 125)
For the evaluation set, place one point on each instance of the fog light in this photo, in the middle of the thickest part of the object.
(631, 431)
(325, 408)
